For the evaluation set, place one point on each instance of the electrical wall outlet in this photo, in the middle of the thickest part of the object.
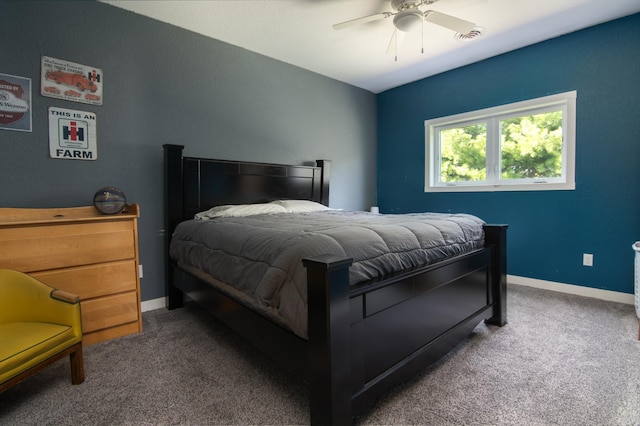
(587, 259)
(140, 271)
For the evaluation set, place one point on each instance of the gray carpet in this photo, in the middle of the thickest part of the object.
(561, 360)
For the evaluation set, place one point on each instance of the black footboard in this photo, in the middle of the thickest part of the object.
(395, 327)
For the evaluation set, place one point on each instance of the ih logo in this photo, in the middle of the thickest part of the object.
(93, 76)
(73, 133)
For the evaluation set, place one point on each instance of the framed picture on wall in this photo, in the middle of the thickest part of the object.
(15, 103)
(70, 81)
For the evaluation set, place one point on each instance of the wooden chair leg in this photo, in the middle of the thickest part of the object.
(76, 361)
(77, 364)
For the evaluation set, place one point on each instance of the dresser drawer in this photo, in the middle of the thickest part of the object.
(93, 281)
(109, 311)
(38, 248)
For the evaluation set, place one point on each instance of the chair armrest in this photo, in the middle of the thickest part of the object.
(65, 296)
(25, 299)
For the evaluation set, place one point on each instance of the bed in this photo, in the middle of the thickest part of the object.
(358, 339)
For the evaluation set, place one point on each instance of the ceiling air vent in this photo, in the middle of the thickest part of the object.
(473, 34)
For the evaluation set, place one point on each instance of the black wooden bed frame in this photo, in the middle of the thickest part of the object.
(361, 339)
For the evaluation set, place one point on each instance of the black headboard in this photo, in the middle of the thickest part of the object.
(193, 184)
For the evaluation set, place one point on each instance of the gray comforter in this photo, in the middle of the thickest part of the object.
(259, 257)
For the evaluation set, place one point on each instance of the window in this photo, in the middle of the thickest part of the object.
(524, 146)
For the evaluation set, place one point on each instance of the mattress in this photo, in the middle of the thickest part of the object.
(258, 259)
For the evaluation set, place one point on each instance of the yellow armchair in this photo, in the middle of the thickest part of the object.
(38, 326)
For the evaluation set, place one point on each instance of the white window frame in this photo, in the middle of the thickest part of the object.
(491, 116)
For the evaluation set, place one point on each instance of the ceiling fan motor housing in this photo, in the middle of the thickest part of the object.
(406, 20)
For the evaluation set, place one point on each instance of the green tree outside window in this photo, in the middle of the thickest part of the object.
(531, 147)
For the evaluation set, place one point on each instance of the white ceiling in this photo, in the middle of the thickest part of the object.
(299, 32)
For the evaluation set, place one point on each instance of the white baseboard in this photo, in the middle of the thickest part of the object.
(613, 296)
(150, 305)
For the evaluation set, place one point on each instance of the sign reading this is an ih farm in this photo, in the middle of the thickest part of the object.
(72, 134)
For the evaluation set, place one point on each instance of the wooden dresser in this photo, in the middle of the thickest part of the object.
(84, 252)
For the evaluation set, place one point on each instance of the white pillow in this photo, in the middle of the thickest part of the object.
(300, 206)
(238, 210)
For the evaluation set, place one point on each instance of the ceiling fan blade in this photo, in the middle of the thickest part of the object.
(362, 20)
(395, 42)
(447, 21)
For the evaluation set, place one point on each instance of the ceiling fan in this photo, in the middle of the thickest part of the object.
(409, 16)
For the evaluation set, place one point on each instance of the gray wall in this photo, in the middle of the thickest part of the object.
(164, 85)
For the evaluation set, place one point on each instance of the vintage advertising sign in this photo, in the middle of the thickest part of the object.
(70, 81)
(15, 103)
(72, 134)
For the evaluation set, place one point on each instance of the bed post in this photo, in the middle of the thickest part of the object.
(174, 210)
(325, 165)
(329, 339)
(496, 238)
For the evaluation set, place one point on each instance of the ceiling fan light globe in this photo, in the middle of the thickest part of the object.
(407, 20)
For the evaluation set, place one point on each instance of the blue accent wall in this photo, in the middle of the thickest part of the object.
(548, 230)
